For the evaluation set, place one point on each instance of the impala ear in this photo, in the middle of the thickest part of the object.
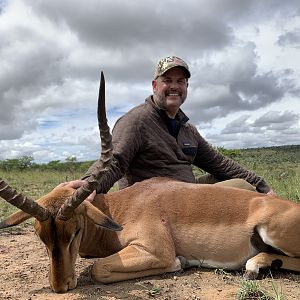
(15, 219)
(99, 218)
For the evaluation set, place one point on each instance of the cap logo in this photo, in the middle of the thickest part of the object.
(168, 63)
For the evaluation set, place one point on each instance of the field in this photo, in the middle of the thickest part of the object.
(24, 262)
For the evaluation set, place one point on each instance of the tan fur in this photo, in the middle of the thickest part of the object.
(168, 225)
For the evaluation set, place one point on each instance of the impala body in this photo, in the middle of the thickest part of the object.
(168, 225)
(157, 226)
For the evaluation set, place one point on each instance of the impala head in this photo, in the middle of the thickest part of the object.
(60, 215)
(62, 238)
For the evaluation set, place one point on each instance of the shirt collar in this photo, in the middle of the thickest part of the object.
(181, 117)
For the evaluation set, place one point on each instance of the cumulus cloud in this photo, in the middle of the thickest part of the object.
(269, 129)
(240, 125)
(51, 54)
(272, 120)
(291, 38)
(232, 83)
(275, 120)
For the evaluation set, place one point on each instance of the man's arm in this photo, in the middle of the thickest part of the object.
(223, 168)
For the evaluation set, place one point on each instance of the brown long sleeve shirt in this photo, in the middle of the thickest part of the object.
(143, 148)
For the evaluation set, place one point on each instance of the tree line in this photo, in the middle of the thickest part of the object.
(280, 154)
(27, 163)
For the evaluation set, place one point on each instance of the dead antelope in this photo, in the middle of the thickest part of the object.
(166, 226)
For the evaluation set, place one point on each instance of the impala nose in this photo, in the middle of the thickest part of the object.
(72, 283)
(60, 289)
(64, 287)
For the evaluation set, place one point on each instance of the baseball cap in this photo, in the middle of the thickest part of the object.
(170, 62)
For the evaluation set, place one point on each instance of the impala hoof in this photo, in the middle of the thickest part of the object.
(276, 264)
(184, 262)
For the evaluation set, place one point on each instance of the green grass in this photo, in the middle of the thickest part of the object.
(283, 179)
(251, 289)
(33, 183)
(279, 166)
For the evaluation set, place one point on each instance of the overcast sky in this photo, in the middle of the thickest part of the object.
(243, 55)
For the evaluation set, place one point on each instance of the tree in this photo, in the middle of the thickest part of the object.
(232, 153)
(21, 163)
(25, 162)
(71, 158)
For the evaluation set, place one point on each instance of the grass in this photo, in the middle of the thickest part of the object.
(251, 289)
(33, 184)
(280, 170)
(150, 289)
(283, 179)
(280, 167)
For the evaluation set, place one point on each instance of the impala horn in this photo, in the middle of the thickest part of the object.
(92, 182)
(22, 202)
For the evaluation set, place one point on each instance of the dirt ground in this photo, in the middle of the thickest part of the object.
(24, 275)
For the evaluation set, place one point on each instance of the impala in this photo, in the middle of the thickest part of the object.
(157, 226)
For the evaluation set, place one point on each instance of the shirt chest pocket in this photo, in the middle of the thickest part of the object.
(189, 151)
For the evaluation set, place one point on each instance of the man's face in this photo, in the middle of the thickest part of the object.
(170, 89)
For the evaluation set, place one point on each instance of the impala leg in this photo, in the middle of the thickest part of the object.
(237, 183)
(264, 260)
(133, 262)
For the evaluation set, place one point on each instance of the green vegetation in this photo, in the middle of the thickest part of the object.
(279, 166)
(34, 183)
(35, 180)
(251, 289)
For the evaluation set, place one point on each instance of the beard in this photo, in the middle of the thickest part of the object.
(161, 101)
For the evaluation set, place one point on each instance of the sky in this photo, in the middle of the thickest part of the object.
(243, 56)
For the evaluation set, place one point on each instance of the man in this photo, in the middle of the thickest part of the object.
(155, 139)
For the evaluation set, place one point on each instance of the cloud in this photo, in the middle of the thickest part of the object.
(133, 23)
(240, 125)
(291, 39)
(269, 129)
(275, 120)
(231, 82)
(272, 120)
(51, 54)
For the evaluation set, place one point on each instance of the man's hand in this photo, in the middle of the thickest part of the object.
(75, 184)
